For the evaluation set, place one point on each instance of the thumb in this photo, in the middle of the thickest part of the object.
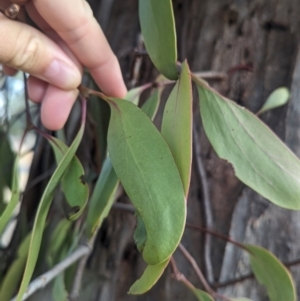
(25, 48)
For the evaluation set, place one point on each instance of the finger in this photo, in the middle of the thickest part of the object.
(73, 21)
(9, 71)
(27, 49)
(36, 89)
(56, 107)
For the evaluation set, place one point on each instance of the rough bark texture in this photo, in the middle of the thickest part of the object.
(256, 43)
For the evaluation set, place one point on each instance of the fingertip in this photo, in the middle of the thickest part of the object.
(109, 78)
(56, 107)
(36, 89)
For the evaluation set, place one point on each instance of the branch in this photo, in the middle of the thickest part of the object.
(44, 279)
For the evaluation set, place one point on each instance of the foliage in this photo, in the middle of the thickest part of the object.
(154, 168)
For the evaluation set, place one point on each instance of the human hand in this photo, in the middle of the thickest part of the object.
(69, 39)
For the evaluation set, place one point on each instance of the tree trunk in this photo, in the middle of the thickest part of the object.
(256, 44)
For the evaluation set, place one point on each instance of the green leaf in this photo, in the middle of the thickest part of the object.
(201, 295)
(158, 29)
(177, 125)
(14, 274)
(102, 197)
(59, 290)
(134, 94)
(144, 164)
(278, 98)
(57, 240)
(150, 106)
(270, 272)
(75, 190)
(14, 200)
(44, 205)
(149, 278)
(259, 158)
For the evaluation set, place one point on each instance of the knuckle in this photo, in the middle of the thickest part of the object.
(27, 55)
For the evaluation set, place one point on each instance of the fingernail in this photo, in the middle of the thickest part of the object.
(62, 75)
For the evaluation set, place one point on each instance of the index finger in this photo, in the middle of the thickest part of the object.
(74, 22)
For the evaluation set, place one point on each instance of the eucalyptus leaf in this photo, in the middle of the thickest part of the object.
(43, 208)
(144, 164)
(158, 29)
(14, 274)
(102, 197)
(150, 106)
(177, 125)
(270, 272)
(177, 130)
(59, 291)
(149, 278)
(259, 158)
(57, 240)
(14, 200)
(74, 188)
(278, 98)
(201, 295)
(134, 94)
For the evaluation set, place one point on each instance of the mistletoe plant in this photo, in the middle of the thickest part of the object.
(154, 168)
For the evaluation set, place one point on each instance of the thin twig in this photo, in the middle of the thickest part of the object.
(206, 204)
(221, 236)
(178, 275)
(44, 279)
(181, 277)
(196, 268)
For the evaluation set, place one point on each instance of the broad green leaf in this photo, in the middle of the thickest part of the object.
(259, 158)
(177, 130)
(57, 240)
(278, 98)
(201, 295)
(44, 205)
(75, 190)
(177, 125)
(15, 196)
(270, 272)
(149, 278)
(150, 106)
(144, 164)
(158, 29)
(13, 276)
(102, 197)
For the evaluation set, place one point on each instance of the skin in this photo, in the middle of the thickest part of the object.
(69, 39)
